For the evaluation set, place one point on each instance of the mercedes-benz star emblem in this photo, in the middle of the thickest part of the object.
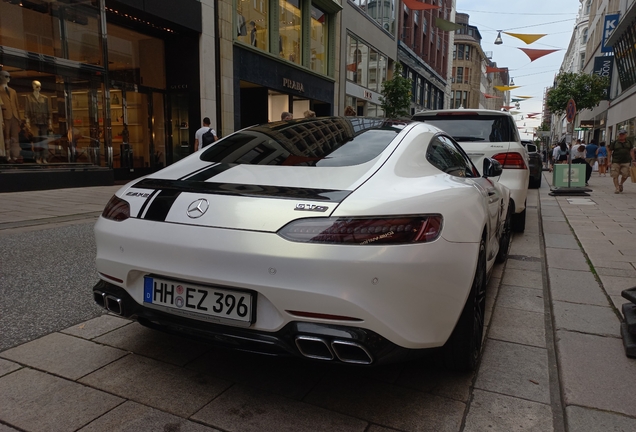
(198, 208)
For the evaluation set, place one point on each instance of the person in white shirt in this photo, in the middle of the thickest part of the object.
(198, 136)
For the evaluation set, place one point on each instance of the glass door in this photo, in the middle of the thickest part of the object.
(129, 112)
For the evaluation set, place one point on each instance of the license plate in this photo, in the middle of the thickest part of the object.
(197, 301)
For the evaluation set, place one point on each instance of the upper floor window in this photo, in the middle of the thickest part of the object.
(252, 23)
(584, 36)
(588, 6)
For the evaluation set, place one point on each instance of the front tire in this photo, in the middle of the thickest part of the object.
(461, 351)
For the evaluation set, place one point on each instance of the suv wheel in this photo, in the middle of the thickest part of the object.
(519, 221)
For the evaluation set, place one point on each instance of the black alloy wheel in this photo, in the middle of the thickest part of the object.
(519, 221)
(461, 351)
(506, 237)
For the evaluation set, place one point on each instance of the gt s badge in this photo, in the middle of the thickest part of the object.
(311, 208)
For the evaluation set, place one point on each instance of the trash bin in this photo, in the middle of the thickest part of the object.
(576, 173)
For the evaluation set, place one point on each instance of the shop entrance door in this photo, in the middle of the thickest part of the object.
(138, 128)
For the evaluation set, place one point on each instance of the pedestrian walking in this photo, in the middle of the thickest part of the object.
(286, 116)
(590, 153)
(621, 154)
(309, 114)
(601, 155)
(205, 135)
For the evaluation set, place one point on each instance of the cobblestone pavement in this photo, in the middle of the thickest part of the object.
(553, 359)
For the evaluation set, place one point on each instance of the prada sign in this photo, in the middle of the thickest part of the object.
(294, 85)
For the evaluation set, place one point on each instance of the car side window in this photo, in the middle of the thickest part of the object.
(442, 154)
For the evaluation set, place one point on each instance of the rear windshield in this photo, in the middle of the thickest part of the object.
(322, 142)
(484, 128)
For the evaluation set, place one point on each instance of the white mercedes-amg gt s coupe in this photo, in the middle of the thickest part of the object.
(343, 239)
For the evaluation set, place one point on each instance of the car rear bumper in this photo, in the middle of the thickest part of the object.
(517, 181)
(411, 295)
(336, 343)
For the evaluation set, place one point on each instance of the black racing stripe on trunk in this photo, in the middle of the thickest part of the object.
(148, 200)
(329, 195)
(208, 173)
(161, 205)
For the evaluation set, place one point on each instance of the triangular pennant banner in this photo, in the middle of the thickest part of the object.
(515, 100)
(534, 54)
(527, 38)
(489, 96)
(446, 25)
(490, 69)
(505, 88)
(416, 5)
(507, 107)
(523, 97)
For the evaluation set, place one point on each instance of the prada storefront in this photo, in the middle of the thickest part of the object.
(283, 59)
(88, 92)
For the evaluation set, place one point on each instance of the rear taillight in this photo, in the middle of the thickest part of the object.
(365, 230)
(117, 209)
(511, 160)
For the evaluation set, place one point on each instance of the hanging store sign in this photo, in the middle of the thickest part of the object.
(610, 24)
(603, 67)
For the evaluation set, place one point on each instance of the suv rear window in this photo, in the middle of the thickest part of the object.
(322, 142)
(474, 127)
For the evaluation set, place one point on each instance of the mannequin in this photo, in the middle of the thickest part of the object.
(3, 150)
(38, 117)
(11, 116)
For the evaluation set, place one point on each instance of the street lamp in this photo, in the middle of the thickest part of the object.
(498, 41)
(512, 81)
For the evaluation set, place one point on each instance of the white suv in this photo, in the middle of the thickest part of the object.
(488, 133)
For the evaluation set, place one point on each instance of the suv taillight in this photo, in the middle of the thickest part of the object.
(364, 230)
(117, 209)
(511, 160)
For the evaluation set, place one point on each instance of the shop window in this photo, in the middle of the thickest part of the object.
(290, 25)
(35, 27)
(319, 39)
(252, 19)
(373, 70)
(135, 58)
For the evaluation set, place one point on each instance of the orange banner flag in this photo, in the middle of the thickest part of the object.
(527, 38)
(416, 5)
(534, 54)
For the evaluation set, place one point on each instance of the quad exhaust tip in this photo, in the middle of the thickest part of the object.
(314, 347)
(109, 302)
(345, 351)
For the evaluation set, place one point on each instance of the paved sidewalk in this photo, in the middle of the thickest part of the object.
(553, 359)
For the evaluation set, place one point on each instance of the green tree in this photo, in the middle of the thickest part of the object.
(396, 94)
(587, 90)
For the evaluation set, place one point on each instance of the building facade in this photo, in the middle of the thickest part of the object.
(472, 84)
(368, 52)
(423, 50)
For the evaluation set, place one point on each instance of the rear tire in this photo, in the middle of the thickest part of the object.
(506, 237)
(535, 183)
(461, 351)
(519, 221)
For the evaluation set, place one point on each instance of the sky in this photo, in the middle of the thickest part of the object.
(555, 18)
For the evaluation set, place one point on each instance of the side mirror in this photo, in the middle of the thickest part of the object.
(492, 168)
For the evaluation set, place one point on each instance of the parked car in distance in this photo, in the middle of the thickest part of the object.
(341, 239)
(489, 134)
(535, 165)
